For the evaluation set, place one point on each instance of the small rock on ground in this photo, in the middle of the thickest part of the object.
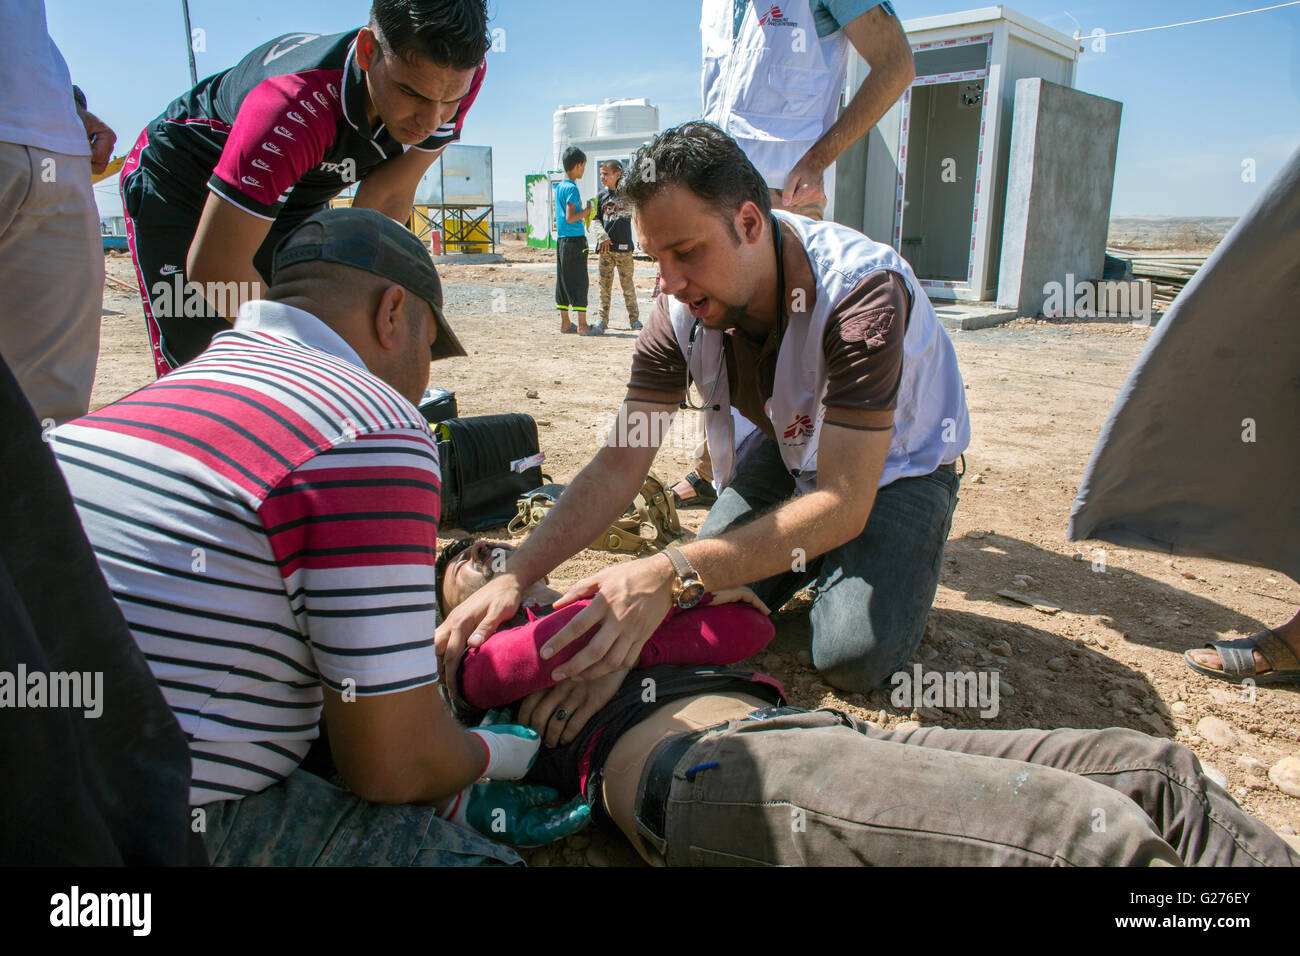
(1254, 767)
(1217, 732)
(1286, 774)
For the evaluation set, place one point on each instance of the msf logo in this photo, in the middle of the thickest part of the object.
(801, 428)
(774, 18)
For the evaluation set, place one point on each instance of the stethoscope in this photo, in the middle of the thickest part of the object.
(722, 352)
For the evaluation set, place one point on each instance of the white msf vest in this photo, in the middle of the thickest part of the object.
(776, 88)
(931, 424)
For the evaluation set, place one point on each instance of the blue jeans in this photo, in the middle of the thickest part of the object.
(872, 594)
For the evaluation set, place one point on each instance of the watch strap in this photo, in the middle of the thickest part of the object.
(681, 565)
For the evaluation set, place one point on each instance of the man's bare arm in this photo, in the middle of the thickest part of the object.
(404, 747)
(850, 461)
(880, 40)
(221, 255)
(849, 464)
(390, 187)
(595, 498)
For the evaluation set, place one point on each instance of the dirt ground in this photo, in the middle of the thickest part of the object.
(1038, 394)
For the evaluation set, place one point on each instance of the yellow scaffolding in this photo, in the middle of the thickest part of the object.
(459, 228)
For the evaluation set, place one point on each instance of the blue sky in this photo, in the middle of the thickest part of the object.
(1197, 99)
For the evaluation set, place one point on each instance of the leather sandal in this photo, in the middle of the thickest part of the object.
(1238, 660)
(704, 496)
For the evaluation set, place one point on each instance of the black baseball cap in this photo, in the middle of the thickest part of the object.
(367, 239)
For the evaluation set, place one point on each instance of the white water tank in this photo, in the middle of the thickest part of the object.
(615, 117)
(572, 123)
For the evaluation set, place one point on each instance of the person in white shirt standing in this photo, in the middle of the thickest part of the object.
(51, 259)
(772, 78)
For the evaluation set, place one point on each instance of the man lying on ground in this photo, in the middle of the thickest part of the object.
(266, 517)
(723, 628)
(702, 765)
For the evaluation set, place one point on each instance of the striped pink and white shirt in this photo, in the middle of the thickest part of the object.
(266, 518)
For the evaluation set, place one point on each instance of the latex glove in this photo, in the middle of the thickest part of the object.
(517, 813)
(511, 750)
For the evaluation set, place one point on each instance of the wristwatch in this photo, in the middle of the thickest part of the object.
(688, 589)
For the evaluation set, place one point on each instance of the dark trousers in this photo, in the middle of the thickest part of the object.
(820, 788)
(571, 279)
(162, 216)
(873, 593)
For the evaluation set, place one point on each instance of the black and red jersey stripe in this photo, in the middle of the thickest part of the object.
(285, 127)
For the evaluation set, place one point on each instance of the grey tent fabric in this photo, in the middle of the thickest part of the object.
(1174, 469)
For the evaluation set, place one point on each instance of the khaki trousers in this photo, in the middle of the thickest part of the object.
(52, 274)
(611, 261)
(823, 789)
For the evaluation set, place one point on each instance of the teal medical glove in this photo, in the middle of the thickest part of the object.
(517, 813)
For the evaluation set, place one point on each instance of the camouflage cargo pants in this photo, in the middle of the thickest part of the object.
(305, 821)
(622, 261)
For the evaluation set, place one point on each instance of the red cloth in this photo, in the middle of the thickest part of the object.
(506, 667)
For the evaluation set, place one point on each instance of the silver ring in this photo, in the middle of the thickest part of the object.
(561, 714)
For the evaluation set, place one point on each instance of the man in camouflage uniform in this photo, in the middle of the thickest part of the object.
(616, 248)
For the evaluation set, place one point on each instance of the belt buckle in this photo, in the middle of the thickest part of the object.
(765, 713)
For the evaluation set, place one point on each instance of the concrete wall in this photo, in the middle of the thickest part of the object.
(1060, 176)
(1022, 60)
(866, 176)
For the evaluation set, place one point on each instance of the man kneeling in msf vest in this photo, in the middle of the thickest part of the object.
(702, 765)
(266, 518)
(826, 342)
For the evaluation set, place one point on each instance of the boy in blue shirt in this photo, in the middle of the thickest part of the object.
(571, 256)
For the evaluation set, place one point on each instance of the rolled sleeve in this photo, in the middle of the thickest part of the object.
(864, 344)
(832, 15)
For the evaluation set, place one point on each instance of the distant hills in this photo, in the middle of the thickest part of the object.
(1168, 232)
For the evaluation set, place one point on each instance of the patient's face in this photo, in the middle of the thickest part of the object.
(472, 568)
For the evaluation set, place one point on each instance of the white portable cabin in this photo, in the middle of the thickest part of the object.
(931, 178)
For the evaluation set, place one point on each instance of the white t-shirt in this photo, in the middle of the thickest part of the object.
(36, 105)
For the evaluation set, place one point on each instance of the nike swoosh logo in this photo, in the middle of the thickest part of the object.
(286, 44)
